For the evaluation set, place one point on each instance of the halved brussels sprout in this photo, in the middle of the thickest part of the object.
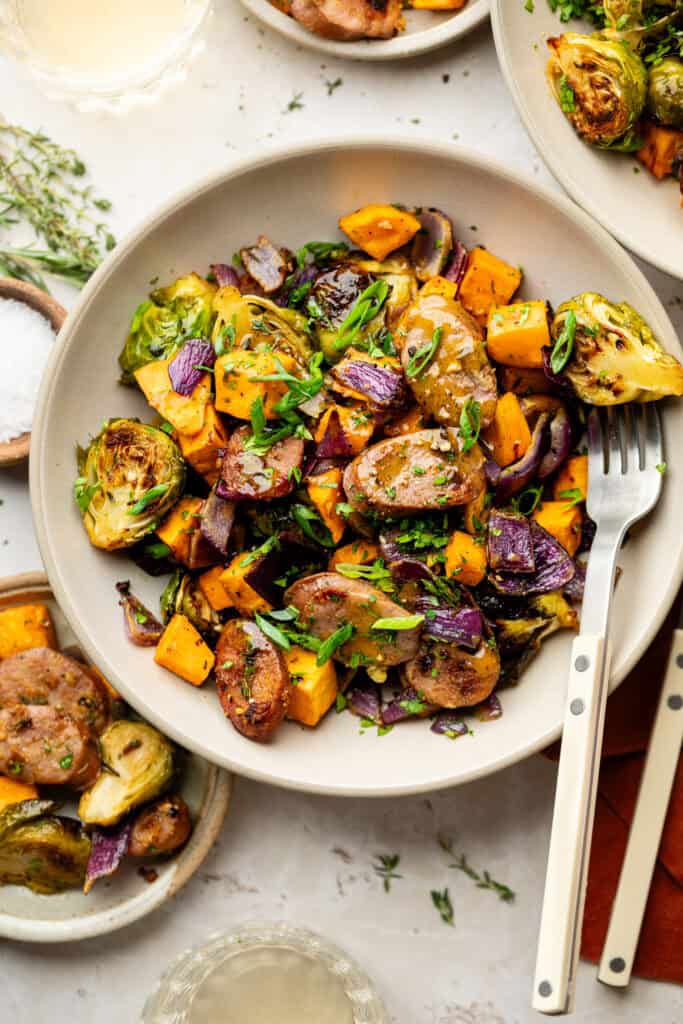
(398, 272)
(137, 765)
(46, 853)
(163, 322)
(183, 595)
(130, 476)
(601, 85)
(253, 321)
(665, 92)
(519, 639)
(616, 357)
(346, 305)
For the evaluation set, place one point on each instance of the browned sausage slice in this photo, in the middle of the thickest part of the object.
(452, 677)
(425, 470)
(327, 601)
(160, 828)
(44, 676)
(349, 19)
(459, 368)
(247, 476)
(41, 745)
(252, 679)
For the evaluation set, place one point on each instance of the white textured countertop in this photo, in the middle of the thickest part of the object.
(287, 855)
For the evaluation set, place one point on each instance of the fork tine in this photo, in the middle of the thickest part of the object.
(596, 454)
(653, 436)
(615, 462)
(637, 450)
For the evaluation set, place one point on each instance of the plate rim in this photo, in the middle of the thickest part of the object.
(215, 179)
(560, 168)
(212, 813)
(374, 49)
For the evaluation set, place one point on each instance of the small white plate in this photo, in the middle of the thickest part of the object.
(425, 30)
(125, 897)
(643, 213)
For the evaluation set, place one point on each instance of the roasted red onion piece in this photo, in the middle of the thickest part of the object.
(514, 478)
(225, 275)
(573, 590)
(490, 709)
(449, 723)
(216, 522)
(455, 271)
(142, 628)
(189, 366)
(510, 548)
(107, 850)
(432, 246)
(554, 568)
(559, 384)
(265, 264)
(273, 566)
(405, 705)
(334, 443)
(560, 444)
(384, 388)
(408, 570)
(364, 700)
(462, 626)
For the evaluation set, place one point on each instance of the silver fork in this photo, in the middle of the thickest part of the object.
(624, 482)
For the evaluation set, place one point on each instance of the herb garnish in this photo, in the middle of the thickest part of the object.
(399, 624)
(365, 308)
(572, 495)
(442, 902)
(376, 574)
(385, 865)
(484, 880)
(564, 344)
(329, 646)
(419, 362)
(85, 492)
(470, 424)
(147, 499)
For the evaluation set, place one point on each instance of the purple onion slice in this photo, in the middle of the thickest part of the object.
(265, 264)
(449, 723)
(455, 271)
(515, 478)
(573, 590)
(384, 388)
(364, 700)
(107, 850)
(560, 444)
(406, 705)
(554, 568)
(216, 522)
(510, 547)
(189, 366)
(432, 245)
(462, 626)
(225, 275)
(490, 709)
(334, 442)
(142, 628)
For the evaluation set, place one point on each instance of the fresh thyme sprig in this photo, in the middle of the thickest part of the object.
(484, 880)
(38, 187)
(385, 865)
(442, 902)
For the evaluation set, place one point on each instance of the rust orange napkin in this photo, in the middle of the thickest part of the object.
(630, 714)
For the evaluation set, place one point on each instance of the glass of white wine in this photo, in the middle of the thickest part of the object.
(265, 974)
(103, 53)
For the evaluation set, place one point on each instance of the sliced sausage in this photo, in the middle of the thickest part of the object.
(425, 470)
(450, 676)
(459, 368)
(252, 679)
(247, 476)
(349, 19)
(44, 676)
(162, 827)
(42, 745)
(327, 601)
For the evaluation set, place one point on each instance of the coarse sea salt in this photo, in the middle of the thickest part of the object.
(26, 338)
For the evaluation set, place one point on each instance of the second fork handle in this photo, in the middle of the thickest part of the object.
(572, 828)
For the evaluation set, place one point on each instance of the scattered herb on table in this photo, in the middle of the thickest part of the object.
(483, 880)
(442, 902)
(385, 865)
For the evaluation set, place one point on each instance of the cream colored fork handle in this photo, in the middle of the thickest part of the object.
(565, 884)
(646, 828)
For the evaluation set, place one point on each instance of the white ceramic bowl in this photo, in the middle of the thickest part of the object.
(118, 901)
(643, 213)
(562, 251)
(425, 30)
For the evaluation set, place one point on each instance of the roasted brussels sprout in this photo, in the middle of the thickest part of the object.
(46, 853)
(130, 476)
(163, 322)
(665, 93)
(519, 639)
(137, 765)
(398, 272)
(182, 594)
(615, 357)
(345, 306)
(601, 85)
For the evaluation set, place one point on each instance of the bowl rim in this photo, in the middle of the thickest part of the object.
(210, 818)
(268, 155)
(559, 166)
(402, 46)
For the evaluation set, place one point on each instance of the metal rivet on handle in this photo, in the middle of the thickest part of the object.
(582, 663)
(577, 707)
(545, 989)
(675, 702)
(679, 660)
(617, 964)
